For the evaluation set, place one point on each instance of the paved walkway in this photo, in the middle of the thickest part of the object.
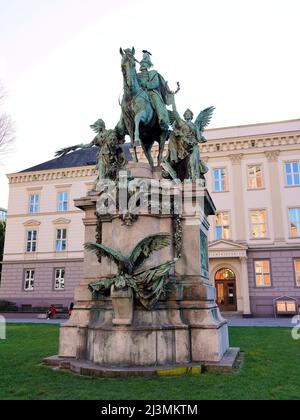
(239, 321)
(234, 321)
(35, 321)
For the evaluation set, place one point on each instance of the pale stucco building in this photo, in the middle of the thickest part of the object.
(255, 238)
(254, 250)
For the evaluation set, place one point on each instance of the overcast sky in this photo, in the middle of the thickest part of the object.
(60, 63)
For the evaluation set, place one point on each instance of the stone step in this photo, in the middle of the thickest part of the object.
(231, 362)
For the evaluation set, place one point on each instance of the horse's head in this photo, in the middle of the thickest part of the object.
(128, 65)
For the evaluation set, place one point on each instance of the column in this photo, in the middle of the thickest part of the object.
(276, 204)
(238, 194)
(245, 288)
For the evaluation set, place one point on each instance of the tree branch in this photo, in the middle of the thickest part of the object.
(7, 130)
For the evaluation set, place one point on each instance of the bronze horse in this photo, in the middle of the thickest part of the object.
(138, 118)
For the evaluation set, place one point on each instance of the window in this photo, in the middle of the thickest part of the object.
(29, 280)
(61, 240)
(255, 177)
(292, 173)
(297, 272)
(34, 203)
(31, 241)
(294, 216)
(63, 201)
(3, 215)
(262, 273)
(225, 274)
(59, 279)
(220, 180)
(259, 228)
(222, 225)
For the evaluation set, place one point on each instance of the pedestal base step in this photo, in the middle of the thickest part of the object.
(229, 363)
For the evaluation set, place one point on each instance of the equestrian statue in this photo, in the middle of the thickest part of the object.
(144, 116)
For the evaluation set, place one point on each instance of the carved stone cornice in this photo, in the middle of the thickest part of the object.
(249, 144)
(227, 254)
(61, 174)
(236, 158)
(61, 221)
(227, 249)
(32, 223)
(63, 186)
(34, 189)
(272, 155)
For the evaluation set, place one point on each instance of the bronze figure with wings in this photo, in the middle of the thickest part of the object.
(110, 157)
(184, 153)
(149, 285)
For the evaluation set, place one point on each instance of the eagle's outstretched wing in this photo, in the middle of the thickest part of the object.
(152, 284)
(104, 251)
(144, 248)
(101, 287)
(204, 118)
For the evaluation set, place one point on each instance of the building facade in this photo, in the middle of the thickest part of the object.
(43, 255)
(254, 180)
(254, 249)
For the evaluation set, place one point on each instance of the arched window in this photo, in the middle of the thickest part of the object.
(225, 274)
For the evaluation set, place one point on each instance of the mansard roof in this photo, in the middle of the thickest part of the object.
(83, 157)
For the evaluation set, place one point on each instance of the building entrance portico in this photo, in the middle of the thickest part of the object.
(229, 274)
(225, 282)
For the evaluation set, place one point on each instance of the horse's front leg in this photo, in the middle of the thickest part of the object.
(137, 141)
(147, 152)
(137, 120)
(163, 139)
(135, 154)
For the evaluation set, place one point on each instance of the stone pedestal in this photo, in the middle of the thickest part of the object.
(122, 301)
(184, 328)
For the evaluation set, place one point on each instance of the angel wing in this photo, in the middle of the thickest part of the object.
(146, 247)
(204, 118)
(152, 284)
(104, 251)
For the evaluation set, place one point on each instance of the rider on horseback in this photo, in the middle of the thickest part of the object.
(157, 89)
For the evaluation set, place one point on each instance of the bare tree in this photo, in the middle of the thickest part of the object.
(7, 130)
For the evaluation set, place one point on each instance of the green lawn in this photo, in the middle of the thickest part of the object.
(271, 371)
